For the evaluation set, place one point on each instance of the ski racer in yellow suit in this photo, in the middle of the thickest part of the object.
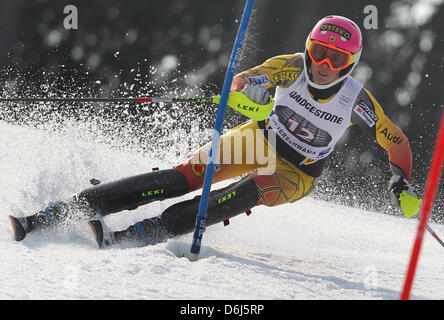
(315, 101)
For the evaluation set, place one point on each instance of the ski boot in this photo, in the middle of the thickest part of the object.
(146, 232)
(42, 220)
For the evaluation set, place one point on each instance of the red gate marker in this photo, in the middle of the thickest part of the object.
(428, 199)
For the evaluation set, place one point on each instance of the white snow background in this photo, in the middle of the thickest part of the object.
(308, 250)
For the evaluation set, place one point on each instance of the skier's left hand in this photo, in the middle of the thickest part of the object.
(404, 196)
(253, 101)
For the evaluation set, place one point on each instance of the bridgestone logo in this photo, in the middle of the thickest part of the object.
(318, 113)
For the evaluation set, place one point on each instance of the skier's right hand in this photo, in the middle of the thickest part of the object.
(256, 93)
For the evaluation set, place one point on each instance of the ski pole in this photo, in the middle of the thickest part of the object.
(212, 156)
(434, 235)
(117, 100)
(411, 206)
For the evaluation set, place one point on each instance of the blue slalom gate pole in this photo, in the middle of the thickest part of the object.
(212, 156)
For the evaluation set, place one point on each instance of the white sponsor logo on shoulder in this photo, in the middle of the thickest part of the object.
(262, 79)
(364, 112)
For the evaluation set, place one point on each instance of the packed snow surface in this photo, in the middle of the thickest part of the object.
(306, 250)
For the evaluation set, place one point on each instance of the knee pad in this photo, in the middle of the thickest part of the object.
(284, 186)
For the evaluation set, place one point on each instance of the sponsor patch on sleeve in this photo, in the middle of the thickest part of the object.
(262, 79)
(365, 113)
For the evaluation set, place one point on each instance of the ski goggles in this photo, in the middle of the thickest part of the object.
(337, 59)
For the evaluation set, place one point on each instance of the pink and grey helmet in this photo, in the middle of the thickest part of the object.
(334, 32)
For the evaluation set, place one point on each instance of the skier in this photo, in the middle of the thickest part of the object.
(316, 100)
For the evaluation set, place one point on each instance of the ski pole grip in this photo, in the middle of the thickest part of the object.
(410, 205)
(242, 104)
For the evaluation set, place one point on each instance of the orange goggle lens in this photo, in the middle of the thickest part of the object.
(337, 59)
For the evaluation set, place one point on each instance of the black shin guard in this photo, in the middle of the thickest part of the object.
(223, 204)
(129, 193)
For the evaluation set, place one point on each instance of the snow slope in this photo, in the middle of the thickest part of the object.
(307, 250)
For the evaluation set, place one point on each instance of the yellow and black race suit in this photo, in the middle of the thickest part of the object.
(284, 70)
(294, 176)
